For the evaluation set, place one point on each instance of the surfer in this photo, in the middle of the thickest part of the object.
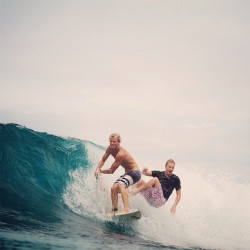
(132, 172)
(158, 189)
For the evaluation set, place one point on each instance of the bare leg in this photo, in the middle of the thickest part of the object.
(133, 189)
(114, 195)
(124, 194)
(137, 184)
(152, 182)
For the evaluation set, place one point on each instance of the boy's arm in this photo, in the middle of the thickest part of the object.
(177, 199)
(147, 172)
(101, 163)
(118, 160)
(113, 167)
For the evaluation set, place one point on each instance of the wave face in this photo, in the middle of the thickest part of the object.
(35, 168)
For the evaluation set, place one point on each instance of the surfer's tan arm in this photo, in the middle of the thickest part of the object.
(101, 163)
(114, 166)
(177, 199)
(147, 172)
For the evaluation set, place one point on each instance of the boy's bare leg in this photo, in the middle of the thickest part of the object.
(152, 182)
(136, 185)
(124, 195)
(114, 196)
(133, 189)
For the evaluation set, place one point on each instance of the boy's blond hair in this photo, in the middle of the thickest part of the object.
(170, 161)
(115, 136)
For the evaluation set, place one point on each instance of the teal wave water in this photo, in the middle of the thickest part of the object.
(49, 199)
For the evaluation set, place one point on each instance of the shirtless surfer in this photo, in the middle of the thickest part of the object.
(132, 172)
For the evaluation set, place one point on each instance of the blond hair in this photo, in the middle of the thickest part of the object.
(170, 161)
(115, 136)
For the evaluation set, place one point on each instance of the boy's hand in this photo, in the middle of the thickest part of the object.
(97, 171)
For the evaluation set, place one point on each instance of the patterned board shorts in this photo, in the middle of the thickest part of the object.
(154, 196)
(130, 178)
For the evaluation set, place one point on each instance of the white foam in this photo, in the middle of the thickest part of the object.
(213, 211)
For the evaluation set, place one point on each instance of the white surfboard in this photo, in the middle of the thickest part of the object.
(132, 214)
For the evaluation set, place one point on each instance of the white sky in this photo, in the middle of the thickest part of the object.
(172, 77)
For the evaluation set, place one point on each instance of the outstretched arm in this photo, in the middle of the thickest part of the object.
(101, 163)
(114, 166)
(177, 199)
(147, 172)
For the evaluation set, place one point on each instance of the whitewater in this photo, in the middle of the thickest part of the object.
(50, 199)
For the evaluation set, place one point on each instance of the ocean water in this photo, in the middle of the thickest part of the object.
(49, 199)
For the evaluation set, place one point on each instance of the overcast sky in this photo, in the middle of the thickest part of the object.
(172, 77)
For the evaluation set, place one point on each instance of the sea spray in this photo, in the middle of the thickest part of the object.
(211, 214)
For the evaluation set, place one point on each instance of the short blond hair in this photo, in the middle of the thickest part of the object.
(115, 136)
(170, 161)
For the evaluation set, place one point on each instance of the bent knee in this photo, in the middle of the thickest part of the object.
(156, 181)
(121, 186)
(140, 183)
(115, 187)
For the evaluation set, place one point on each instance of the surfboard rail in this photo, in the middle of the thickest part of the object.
(132, 214)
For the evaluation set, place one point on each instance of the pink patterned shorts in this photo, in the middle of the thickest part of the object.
(154, 196)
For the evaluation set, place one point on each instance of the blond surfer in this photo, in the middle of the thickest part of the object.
(132, 172)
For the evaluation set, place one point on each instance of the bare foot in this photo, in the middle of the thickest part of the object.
(126, 210)
(113, 211)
